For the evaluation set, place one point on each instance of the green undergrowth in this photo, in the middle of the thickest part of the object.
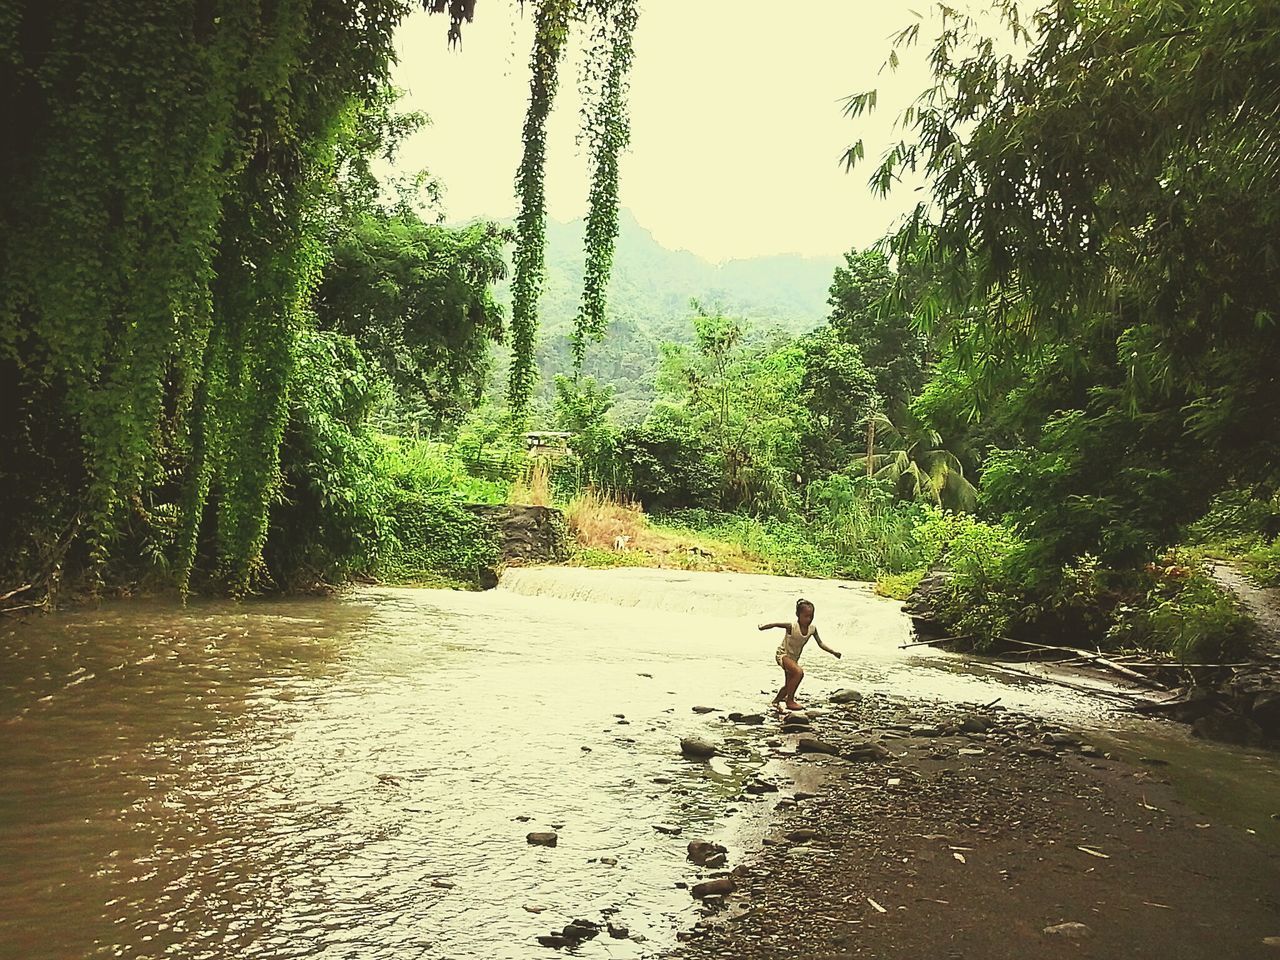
(437, 541)
(898, 586)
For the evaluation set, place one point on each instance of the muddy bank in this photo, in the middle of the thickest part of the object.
(1013, 841)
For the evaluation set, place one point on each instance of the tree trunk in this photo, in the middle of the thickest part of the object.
(871, 444)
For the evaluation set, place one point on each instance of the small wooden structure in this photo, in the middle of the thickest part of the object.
(550, 443)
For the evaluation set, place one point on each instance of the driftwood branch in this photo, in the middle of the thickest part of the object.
(15, 591)
(1095, 658)
(1128, 698)
(930, 643)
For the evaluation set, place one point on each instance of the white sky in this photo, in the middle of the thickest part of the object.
(737, 124)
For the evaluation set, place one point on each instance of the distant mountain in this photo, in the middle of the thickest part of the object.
(649, 297)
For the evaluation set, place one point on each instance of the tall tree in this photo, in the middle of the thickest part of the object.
(891, 348)
(1111, 188)
(418, 299)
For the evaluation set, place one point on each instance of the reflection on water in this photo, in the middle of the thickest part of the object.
(355, 778)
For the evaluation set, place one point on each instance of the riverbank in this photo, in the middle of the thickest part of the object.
(991, 834)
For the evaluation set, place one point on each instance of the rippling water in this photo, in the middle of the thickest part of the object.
(355, 778)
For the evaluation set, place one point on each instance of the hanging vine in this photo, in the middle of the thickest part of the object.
(608, 132)
(551, 28)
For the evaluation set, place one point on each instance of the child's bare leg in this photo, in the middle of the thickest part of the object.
(797, 674)
(782, 691)
(794, 676)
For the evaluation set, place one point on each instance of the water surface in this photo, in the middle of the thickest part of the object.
(356, 777)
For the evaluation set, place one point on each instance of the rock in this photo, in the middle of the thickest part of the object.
(703, 850)
(554, 940)
(923, 602)
(525, 534)
(1228, 728)
(705, 709)
(609, 861)
(867, 750)
(1060, 739)
(1265, 708)
(669, 829)
(797, 716)
(804, 795)
(975, 723)
(786, 803)
(662, 780)
(618, 931)
(796, 728)
(814, 745)
(970, 752)
(713, 888)
(803, 835)
(1069, 931)
(698, 748)
(925, 732)
(580, 930)
(753, 719)
(534, 908)
(758, 787)
(846, 695)
(541, 839)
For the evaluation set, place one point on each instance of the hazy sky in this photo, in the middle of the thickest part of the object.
(737, 124)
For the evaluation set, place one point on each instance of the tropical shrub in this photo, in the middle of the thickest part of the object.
(329, 518)
(667, 466)
(1185, 613)
(1263, 564)
(436, 540)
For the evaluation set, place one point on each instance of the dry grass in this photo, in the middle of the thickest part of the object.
(596, 523)
(533, 489)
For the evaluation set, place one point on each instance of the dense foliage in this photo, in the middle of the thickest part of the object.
(419, 300)
(179, 180)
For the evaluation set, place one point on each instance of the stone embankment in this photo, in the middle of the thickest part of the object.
(526, 535)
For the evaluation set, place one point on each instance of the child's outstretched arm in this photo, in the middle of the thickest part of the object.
(818, 640)
(770, 626)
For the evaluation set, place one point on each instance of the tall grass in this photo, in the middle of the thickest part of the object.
(596, 521)
(533, 487)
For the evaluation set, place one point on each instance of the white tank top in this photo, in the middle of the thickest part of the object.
(795, 640)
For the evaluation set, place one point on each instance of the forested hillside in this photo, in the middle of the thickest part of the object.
(649, 297)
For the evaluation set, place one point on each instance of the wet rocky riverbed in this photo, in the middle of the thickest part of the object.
(361, 777)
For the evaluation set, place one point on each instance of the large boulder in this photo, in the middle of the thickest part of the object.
(526, 534)
(924, 604)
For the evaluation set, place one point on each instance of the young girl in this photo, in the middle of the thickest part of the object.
(798, 633)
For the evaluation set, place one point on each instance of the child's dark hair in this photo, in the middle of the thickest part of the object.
(804, 603)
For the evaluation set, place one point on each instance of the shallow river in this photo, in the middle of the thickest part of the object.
(355, 778)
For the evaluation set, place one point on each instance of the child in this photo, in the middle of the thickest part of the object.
(798, 633)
